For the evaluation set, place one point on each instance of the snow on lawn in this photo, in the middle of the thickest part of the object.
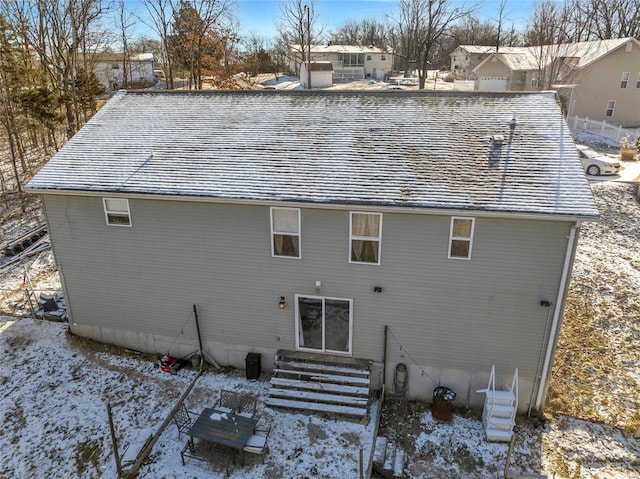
(56, 388)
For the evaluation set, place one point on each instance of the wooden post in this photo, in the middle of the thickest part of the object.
(361, 464)
(203, 353)
(28, 288)
(195, 312)
(114, 441)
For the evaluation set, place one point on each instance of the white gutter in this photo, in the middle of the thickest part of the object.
(552, 339)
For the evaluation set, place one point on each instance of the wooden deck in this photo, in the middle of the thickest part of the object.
(332, 385)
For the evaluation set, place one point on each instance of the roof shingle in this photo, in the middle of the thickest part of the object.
(409, 149)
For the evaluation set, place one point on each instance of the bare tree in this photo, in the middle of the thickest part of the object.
(125, 21)
(160, 14)
(63, 34)
(299, 25)
(420, 25)
(605, 19)
(205, 17)
(362, 33)
(550, 36)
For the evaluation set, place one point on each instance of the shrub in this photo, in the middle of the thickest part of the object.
(628, 149)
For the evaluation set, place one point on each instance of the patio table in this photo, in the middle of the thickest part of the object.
(224, 428)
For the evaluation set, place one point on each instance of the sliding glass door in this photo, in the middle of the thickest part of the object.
(324, 324)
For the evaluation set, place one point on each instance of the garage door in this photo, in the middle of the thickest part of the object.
(492, 84)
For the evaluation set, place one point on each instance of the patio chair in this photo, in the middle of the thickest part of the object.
(228, 401)
(247, 406)
(257, 444)
(206, 452)
(182, 418)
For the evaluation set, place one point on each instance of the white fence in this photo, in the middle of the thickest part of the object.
(601, 128)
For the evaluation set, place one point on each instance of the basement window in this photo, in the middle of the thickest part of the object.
(461, 238)
(116, 211)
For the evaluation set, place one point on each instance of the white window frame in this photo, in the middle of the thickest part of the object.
(324, 349)
(624, 79)
(114, 212)
(638, 81)
(352, 237)
(273, 232)
(461, 238)
(628, 47)
(611, 106)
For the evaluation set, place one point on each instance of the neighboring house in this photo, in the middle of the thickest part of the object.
(598, 79)
(321, 75)
(466, 57)
(350, 62)
(108, 68)
(309, 221)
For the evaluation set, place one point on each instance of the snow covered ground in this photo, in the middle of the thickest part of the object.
(56, 387)
(54, 415)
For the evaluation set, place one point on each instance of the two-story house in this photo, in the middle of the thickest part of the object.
(598, 79)
(350, 62)
(309, 221)
(108, 67)
(465, 58)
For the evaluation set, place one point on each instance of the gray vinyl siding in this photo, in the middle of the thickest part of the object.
(457, 314)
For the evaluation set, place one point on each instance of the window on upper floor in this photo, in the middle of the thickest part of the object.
(638, 81)
(383, 57)
(624, 79)
(461, 237)
(365, 233)
(628, 47)
(285, 232)
(611, 105)
(534, 81)
(116, 211)
(368, 58)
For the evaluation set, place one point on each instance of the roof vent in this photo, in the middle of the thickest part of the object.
(513, 122)
(496, 140)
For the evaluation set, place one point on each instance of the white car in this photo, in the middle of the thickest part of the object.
(596, 164)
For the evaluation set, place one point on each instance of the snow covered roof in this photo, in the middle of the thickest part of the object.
(339, 49)
(402, 149)
(580, 54)
(487, 49)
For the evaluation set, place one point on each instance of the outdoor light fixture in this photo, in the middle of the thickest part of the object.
(377, 289)
(283, 302)
(544, 303)
(318, 284)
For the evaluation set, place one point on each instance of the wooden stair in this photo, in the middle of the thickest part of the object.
(389, 460)
(320, 383)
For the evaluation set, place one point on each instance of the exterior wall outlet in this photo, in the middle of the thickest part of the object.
(279, 339)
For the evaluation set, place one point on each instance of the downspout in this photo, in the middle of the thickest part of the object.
(557, 314)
